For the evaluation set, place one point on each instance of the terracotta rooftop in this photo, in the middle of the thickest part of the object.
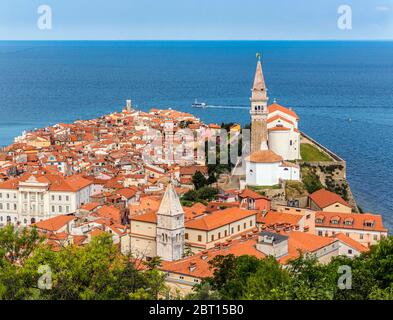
(350, 221)
(219, 218)
(274, 217)
(54, 224)
(350, 242)
(264, 156)
(248, 193)
(276, 107)
(297, 242)
(324, 198)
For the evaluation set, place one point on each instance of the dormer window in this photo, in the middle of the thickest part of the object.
(319, 220)
(368, 223)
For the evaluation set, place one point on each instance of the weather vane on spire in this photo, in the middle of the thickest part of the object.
(258, 55)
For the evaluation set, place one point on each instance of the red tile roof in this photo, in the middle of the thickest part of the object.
(219, 218)
(324, 198)
(248, 193)
(54, 224)
(276, 107)
(264, 156)
(350, 242)
(297, 242)
(276, 218)
(357, 221)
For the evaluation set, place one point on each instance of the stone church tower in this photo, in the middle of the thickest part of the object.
(170, 226)
(259, 112)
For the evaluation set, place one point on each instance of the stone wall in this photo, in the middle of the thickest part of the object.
(332, 174)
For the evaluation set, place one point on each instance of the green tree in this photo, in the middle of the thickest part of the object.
(212, 179)
(187, 251)
(190, 195)
(203, 291)
(312, 182)
(16, 244)
(95, 271)
(199, 180)
(153, 263)
(207, 193)
(269, 282)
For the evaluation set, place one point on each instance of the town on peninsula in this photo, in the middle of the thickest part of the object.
(181, 204)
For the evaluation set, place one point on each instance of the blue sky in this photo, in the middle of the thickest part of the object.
(196, 19)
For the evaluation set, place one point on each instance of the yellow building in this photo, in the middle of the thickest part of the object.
(324, 200)
(201, 233)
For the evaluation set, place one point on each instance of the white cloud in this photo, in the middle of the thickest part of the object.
(382, 8)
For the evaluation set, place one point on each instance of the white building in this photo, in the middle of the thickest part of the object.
(265, 168)
(32, 198)
(283, 132)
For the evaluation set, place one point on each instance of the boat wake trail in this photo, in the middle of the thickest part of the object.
(226, 107)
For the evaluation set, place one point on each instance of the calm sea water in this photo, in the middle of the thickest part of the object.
(327, 83)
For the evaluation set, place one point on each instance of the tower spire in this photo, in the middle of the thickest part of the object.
(170, 226)
(259, 91)
(259, 110)
(170, 203)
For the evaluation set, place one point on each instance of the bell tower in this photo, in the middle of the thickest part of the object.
(259, 112)
(170, 226)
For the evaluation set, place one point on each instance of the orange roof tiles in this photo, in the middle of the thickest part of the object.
(194, 211)
(202, 267)
(219, 218)
(264, 156)
(110, 212)
(248, 193)
(324, 219)
(350, 242)
(55, 223)
(276, 107)
(297, 242)
(273, 217)
(324, 198)
(304, 242)
(146, 217)
(90, 206)
(278, 117)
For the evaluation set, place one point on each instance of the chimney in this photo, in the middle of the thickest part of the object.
(128, 105)
(272, 244)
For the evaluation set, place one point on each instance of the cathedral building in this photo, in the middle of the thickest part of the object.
(275, 138)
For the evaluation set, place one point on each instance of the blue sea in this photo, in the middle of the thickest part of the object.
(326, 83)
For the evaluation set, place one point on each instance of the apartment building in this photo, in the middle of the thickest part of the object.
(36, 197)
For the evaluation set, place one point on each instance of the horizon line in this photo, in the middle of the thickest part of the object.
(206, 40)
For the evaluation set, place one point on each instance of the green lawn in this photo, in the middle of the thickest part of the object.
(259, 188)
(310, 153)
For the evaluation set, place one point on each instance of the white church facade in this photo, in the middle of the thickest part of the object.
(265, 168)
(275, 139)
